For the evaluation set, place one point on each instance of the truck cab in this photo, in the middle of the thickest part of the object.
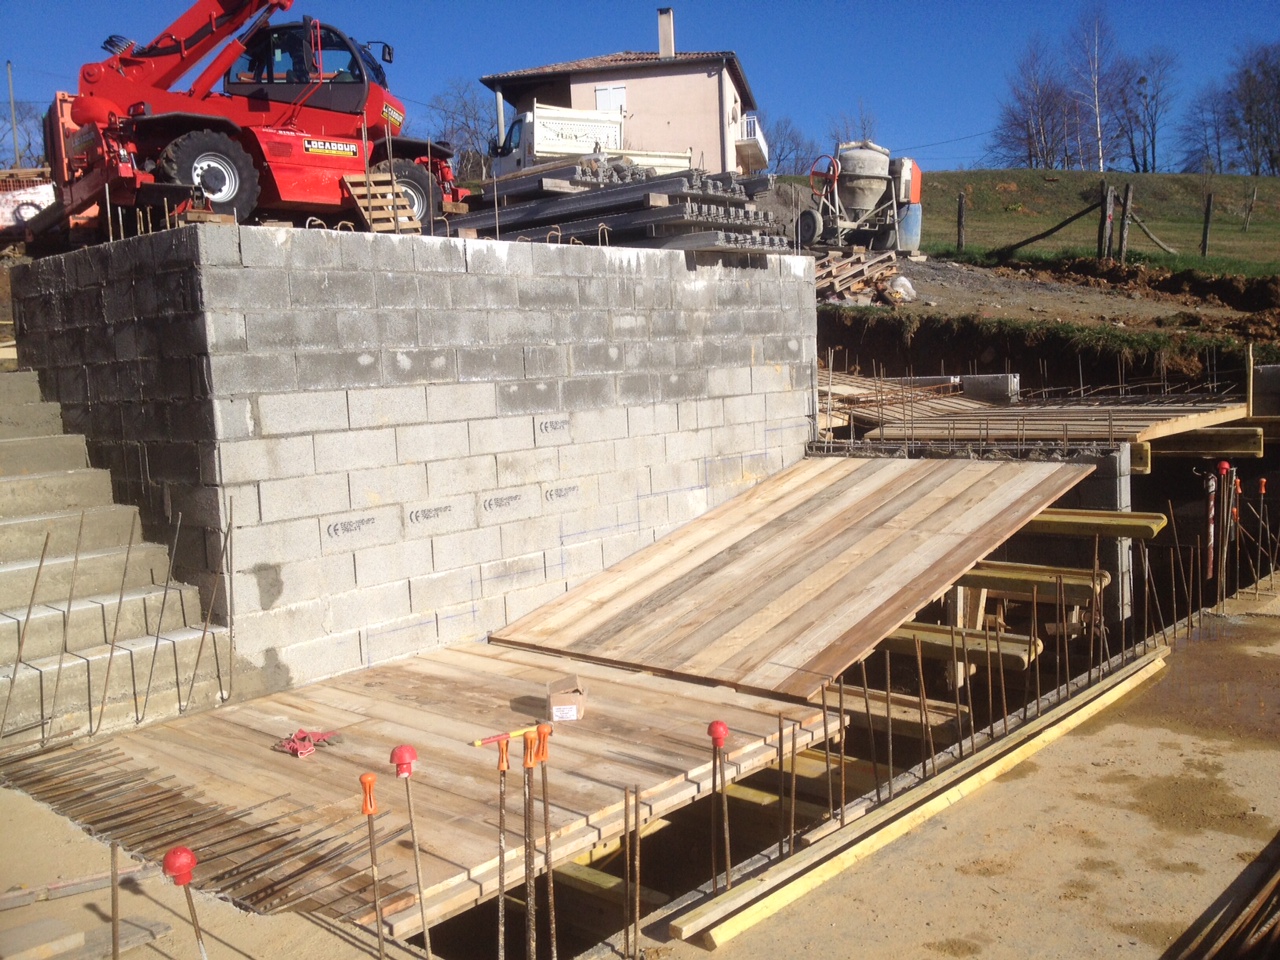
(550, 133)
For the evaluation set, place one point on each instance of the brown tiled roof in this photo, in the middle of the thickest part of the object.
(613, 61)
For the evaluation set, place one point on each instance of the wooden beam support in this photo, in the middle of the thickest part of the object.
(1016, 581)
(1211, 442)
(602, 886)
(1140, 458)
(1016, 650)
(754, 796)
(1092, 523)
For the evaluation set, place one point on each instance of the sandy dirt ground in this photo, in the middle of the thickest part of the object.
(1109, 842)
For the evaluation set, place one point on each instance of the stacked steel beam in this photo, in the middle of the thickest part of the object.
(595, 201)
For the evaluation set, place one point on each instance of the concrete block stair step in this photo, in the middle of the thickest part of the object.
(25, 455)
(21, 538)
(30, 420)
(99, 572)
(84, 674)
(19, 387)
(93, 620)
(22, 496)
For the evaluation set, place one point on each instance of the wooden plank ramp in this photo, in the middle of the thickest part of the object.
(788, 584)
(274, 832)
(382, 205)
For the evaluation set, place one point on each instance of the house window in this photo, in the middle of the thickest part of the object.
(612, 99)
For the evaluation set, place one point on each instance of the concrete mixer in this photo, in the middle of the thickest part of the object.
(863, 198)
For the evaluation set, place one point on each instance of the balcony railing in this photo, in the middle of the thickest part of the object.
(752, 148)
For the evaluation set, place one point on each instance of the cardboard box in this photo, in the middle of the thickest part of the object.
(566, 699)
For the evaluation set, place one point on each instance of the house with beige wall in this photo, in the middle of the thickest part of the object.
(671, 101)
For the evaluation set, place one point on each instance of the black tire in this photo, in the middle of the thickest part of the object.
(809, 227)
(222, 168)
(416, 183)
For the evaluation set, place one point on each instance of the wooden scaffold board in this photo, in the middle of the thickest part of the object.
(383, 206)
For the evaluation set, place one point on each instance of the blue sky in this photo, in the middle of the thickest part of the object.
(930, 72)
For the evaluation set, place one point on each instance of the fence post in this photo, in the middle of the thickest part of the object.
(1125, 205)
(1208, 217)
(960, 224)
(1102, 220)
(1109, 211)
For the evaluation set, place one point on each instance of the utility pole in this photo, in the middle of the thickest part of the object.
(13, 115)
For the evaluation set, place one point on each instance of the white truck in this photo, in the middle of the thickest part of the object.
(554, 133)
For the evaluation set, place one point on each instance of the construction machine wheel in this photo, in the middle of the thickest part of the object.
(809, 227)
(416, 183)
(218, 165)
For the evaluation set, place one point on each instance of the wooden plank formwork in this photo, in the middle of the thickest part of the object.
(782, 588)
(277, 832)
(382, 205)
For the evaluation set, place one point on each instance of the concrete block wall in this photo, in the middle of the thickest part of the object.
(419, 439)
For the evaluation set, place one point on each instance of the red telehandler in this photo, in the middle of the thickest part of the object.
(301, 106)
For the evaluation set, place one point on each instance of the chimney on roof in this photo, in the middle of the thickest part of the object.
(666, 33)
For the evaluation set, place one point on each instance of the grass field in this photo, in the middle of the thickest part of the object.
(1005, 206)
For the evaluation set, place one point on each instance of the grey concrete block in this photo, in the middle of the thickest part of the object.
(527, 466)
(544, 362)
(500, 434)
(744, 409)
(563, 260)
(303, 496)
(781, 407)
(594, 523)
(685, 505)
(372, 607)
(531, 535)
(319, 250)
(575, 562)
(589, 393)
(528, 396)
(628, 324)
(590, 426)
(587, 359)
(252, 373)
(518, 325)
(434, 591)
(406, 481)
(639, 452)
(393, 561)
(496, 257)
(508, 504)
(594, 293)
(681, 473)
(471, 621)
(225, 331)
(435, 516)
(461, 401)
(623, 545)
(265, 584)
(265, 247)
(288, 330)
(224, 288)
(467, 548)
(499, 577)
(483, 292)
(396, 290)
(771, 378)
(217, 244)
(439, 255)
(453, 327)
(330, 288)
(547, 294)
(683, 385)
(580, 459)
(426, 442)
(245, 461)
(490, 363)
(386, 406)
(278, 628)
(783, 350)
(320, 659)
(290, 413)
(709, 413)
(242, 498)
(430, 365)
(355, 450)
(233, 418)
(564, 496)
(446, 478)
(286, 542)
(552, 430)
(622, 485)
(728, 382)
(635, 389)
(402, 638)
(391, 251)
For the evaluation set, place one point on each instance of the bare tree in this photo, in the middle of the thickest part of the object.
(1144, 92)
(790, 150)
(1092, 58)
(465, 115)
(1253, 92)
(846, 127)
(30, 152)
(1204, 138)
(1034, 125)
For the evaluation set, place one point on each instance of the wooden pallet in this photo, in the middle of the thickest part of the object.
(382, 205)
(844, 272)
